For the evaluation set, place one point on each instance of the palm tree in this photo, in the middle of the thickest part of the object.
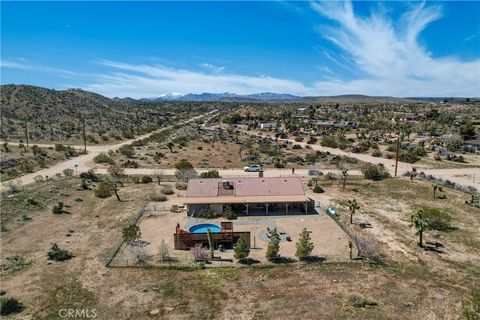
(420, 224)
(352, 206)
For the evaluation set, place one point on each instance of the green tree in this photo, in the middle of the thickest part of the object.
(241, 249)
(210, 174)
(420, 224)
(304, 245)
(352, 206)
(273, 247)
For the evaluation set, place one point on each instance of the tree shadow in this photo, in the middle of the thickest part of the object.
(434, 246)
(283, 260)
(313, 259)
(248, 261)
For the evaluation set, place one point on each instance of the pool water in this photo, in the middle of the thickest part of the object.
(203, 228)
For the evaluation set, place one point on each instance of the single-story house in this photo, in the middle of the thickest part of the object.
(248, 195)
(268, 125)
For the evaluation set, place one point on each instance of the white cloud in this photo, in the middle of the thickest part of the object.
(389, 54)
(154, 80)
(209, 66)
(34, 67)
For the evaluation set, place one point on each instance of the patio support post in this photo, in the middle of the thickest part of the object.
(306, 207)
(266, 207)
(246, 206)
(286, 207)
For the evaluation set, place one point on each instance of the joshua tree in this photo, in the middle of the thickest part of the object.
(159, 174)
(344, 176)
(420, 224)
(434, 187)
(413, 174)
(352, 206)
(350, 246)
(210, 243)
(170, 146)
(304, 245)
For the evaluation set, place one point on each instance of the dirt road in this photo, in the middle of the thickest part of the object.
(81, 163)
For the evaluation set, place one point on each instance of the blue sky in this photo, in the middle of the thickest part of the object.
(147, 49)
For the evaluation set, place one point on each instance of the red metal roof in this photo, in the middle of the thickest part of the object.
(269, 186)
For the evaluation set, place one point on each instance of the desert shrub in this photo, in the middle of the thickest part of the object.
(181, 186)
(377, 153)
(58, 254)
(409, 157)
(147, 179)
(104, 190)
(58, 208)
(68, 172)
(39, 179)
(174, 208)
(60, 147)
(329, 142)
(206, 213)
(185, 174)
(157, 197)
(357, 300)
(127, 150)
(90, 175)
(210, 174)
(318, 189)
(375, 172)
(10, 305)
(368, 247)
(199, 253)
(471, 305)
(229, 214)
(103, 158)
(421, 152)
(296, 147)
(131, 233)
(312, 157)
(298, 139)
(168, 190)
(183, 165)
(437, 218)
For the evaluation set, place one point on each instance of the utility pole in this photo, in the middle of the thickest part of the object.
(84, 137)
(396, 158)
(26, 132)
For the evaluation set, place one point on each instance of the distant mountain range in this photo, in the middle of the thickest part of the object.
(227, 96)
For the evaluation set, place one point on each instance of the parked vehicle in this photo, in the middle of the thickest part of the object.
(253, 168)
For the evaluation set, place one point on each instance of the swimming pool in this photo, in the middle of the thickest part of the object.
(203, 228)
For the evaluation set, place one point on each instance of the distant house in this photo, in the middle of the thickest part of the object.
(336, 124)
(410, 118)
(268, 125)
(247, 195)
